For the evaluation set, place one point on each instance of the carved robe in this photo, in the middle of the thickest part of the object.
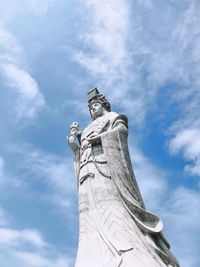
(115, 230)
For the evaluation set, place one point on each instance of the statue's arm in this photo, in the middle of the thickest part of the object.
(72, 143)
(119, 124)
(72, 138)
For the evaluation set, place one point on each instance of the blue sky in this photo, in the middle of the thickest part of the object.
(144, 55)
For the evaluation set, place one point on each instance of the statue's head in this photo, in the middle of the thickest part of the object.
(98, 104)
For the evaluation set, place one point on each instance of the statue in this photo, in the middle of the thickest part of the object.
(115, 228)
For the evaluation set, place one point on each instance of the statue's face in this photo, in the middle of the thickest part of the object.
(96, 110)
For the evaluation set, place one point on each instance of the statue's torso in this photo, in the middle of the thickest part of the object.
(92, 158)
(97, 125)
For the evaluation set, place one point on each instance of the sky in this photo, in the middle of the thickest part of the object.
(144, 55)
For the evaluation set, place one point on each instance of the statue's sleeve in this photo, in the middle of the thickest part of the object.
(120, 120)
(115, 147)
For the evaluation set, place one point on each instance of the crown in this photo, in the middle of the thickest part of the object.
(95, 96)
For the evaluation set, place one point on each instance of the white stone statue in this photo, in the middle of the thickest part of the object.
(115, 228)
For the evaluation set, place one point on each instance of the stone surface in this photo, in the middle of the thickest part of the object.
(115, 228)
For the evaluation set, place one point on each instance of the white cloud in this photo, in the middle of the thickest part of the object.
(7, 10)
(107, 34)
(181, 213)
(22, 80)
(169, 46)
(35, 260)
(152, 180)
(29, 98)
(76, 105)
(12, 8)
(187, 141)
(17, 238)
(52, 172)
(1, 169)
(32, 259)
(105, 54)
(3, 175)
(177, 207)
(132, 54)
(39, 7)
(28, 248)
(9, 48)
(7, 182)
(3, 217)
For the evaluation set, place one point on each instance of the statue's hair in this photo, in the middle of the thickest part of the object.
(100, 98)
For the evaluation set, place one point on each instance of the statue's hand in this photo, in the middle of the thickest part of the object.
(94, 139)
(74, 129)
(74, 133)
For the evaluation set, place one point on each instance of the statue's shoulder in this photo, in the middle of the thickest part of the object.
(98, 124)
(121, 118)
(111, 115)
(116, 118)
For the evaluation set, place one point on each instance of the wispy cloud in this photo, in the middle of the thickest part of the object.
(187, 141)
(3, 217)
(182, 217)
(185, 130)
(105, 38)
(39, 7)
(18, 238)
(53, 173)
(1, 169)
(16, 75)
(12, 8)
(36, 260)
(133, 50)
(135, 56)
(29, 247)
(177, 207)
(105, 55)
(152, 180)
(6, 180)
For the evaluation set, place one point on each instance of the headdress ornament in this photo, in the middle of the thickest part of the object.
(95, 96)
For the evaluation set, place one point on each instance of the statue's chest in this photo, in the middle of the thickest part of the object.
(95, 127)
